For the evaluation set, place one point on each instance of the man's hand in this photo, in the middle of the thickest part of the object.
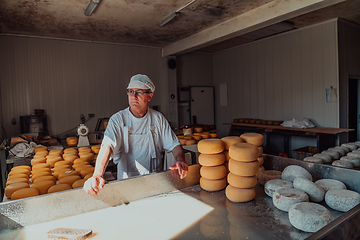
(182, 168)
(93, 185)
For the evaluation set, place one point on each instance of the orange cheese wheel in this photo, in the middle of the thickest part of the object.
(45, 178)
(41, 165)
(81, 160)
(69, 179)
(36, 171)
(62, 167)
(19, 171)
(17, 180)
(243, 152)
(210, 146)
(21, 175)
(89, 156)
(21, 167)
(41, 153)
(59, 171)
(38, 156)
(70, 158)
(190, 142)
(212, 185)
(261, 160)
(40, 148)
(59, 188)
(35, 161)
(96, 151)
(81, 167)
(10, 189)
(86, 171)
(215, 172)
(243, 168)
(61, 163)
(239, 194)
(72, 141)
(53, 160)
(24, 193)
(183, 141)
(254, 138)
(40, 174)
(227, 156)
(241, 181)
(78, 183)
(89, 175)
(261, 150)
(211, 159)
(56, 151)
(230, 140)
(43, 186)
(70, 150)
(213, 135)
(68, 173)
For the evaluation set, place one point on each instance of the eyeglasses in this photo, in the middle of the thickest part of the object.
(138, 92)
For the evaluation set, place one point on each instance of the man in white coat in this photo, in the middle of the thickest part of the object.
(135, 137)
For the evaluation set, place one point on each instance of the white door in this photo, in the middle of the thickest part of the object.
(202, 105)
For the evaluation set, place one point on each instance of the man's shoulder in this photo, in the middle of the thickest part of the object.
(119, 116)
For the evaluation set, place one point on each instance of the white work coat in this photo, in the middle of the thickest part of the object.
(136, 143)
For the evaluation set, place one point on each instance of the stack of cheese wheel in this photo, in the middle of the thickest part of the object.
(213, 172)
(96, 149)
(18, 179)
(40, 155)
(228, 141)
(72, 141)
(243, 167)
(70, 154)
(54, 156)
(86, 152)
(256, 139)
(83, 167)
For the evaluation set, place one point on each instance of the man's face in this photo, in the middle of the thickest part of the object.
(139, 98)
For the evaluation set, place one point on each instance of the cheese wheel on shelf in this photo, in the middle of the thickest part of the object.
(213, 173)
(86, 171)
(59, 188)
(24, 193)
(78, 183)
(70, 150)
(212, 185)
(81, 167)
(59, 171)
(40, 148)
(68, 173)
(210, 146)
(40, 174)
(62, 167)
(19, 171)
(56, 151)
(43, 186)
(70, 158)
(45, 178)
(245, 152)
(69, 179)
(241, 181)
(59, 163)
(254, 138)
(81, 160)
(190, 142)
(211, 159)
(17, 180)
(230, 140)
(243, 168)
(39, 170)
(10, 189)
(35, 161)
(21, 167)
(17, 176)
(41, 153)
(239, 194)
(53, 160)
(41, 165)
(89, 156)
(183, 141)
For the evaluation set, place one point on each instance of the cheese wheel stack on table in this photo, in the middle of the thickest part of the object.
(243, 167)
(213, 172)
(256, 139)
(228, 141)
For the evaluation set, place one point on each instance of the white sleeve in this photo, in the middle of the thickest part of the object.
(169, 138)
(113, 135)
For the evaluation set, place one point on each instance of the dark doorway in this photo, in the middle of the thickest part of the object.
(353, 108)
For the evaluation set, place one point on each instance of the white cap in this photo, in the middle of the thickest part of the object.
(142, 82)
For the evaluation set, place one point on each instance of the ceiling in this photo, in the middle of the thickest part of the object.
(203, 25)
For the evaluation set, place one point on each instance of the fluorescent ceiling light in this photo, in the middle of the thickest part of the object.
(91, 7)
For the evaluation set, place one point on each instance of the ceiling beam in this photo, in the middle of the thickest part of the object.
(263, 16)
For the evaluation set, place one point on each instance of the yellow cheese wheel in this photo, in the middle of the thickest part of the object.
(89, 156)
(57, 172)
(183, 141)
(59, 188)
(96, 150)
(190, 142)
(197, 137)
(188, 137)
(261, 160)
(35, 161)
(79, 183)
(69, 179)
(17, 180)
(24, 193)
(72, 141)
(211, 159)
(243, 152)
(239, 194)
(89, 175)
(230, 140)
(21, 175)
(67, 154)
(36, 171)
(215, 172)
(53, 160)
(213, 135)
(40, 148)
(41, 165)
(196, 134)
(241, 181)
(43, 186)
(79, 167)
(84, 149)
(40, 174)
(86, 171)
(261, 150)
(61, 163)
(81, 160)
(21, 167)
(70, 150)
(95, 147)
(243, 168)
(205, 136)
(212, 185)
(45, 178)
(10, 189)
(19, 171)
(68, 173)
(210, 146)
(56, 151)
(41, 153)
(70, 158)
(254, 138)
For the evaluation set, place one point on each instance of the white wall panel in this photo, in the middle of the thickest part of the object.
(281, 77)
(69, 78)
